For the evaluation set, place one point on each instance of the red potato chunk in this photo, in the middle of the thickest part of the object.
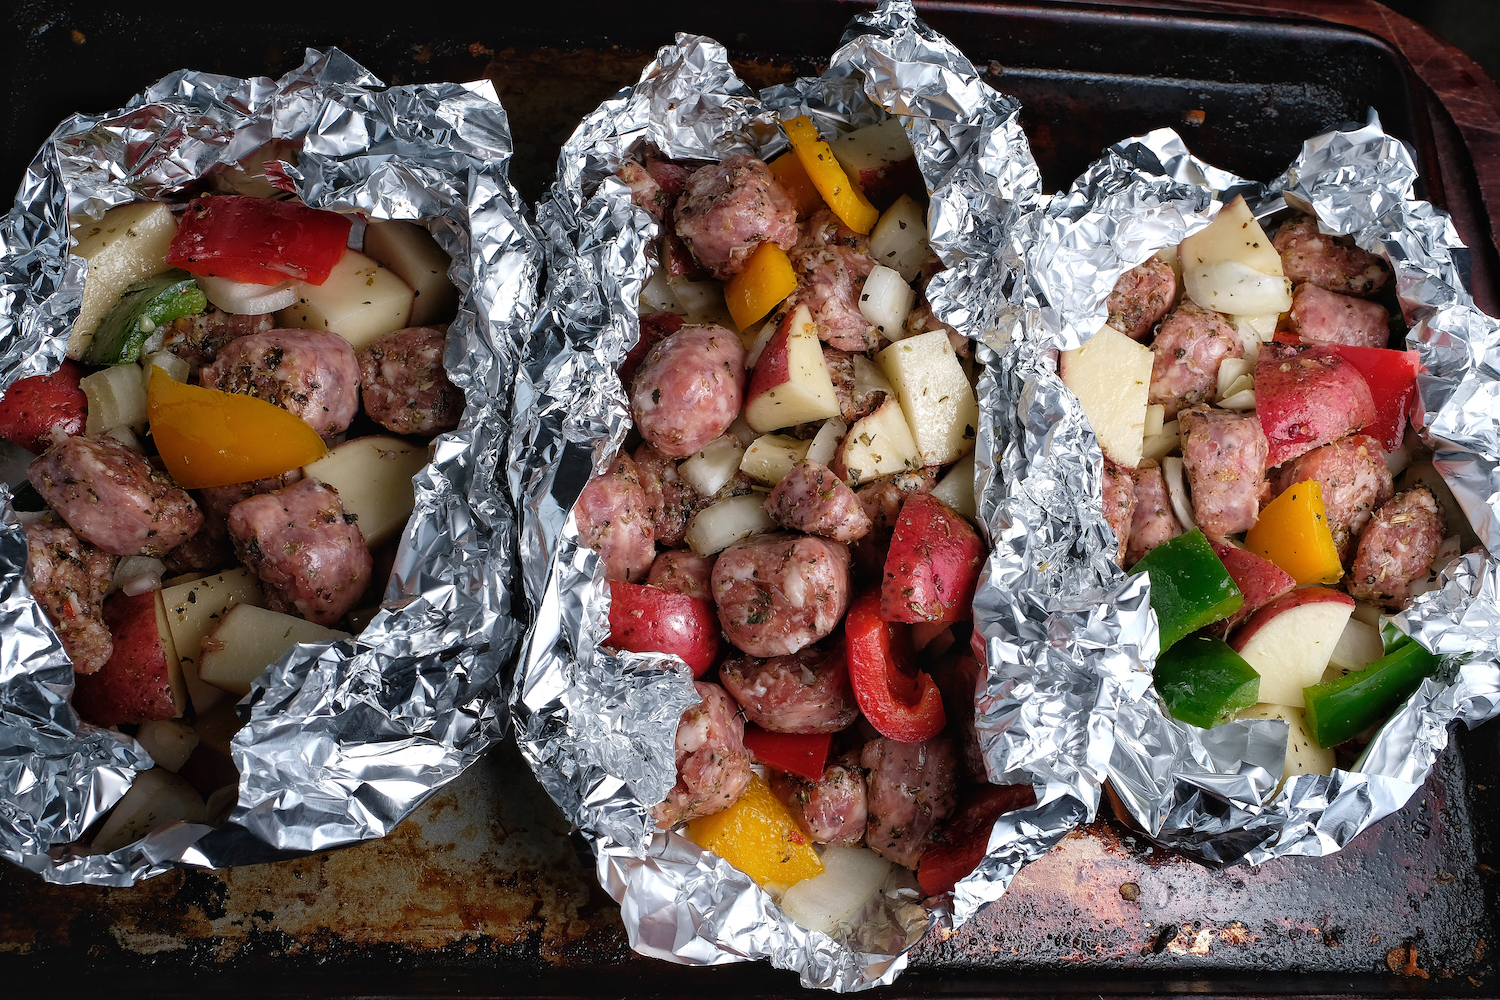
(933, 564)
(1260, 580)
(1306, 397)
(136, 684)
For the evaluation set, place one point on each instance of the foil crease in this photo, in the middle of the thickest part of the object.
(344, 739)
(1212, 794)
(599, 729)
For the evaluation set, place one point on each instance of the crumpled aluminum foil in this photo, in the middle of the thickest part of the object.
(1072, 647)
(345, 739)
(598, 729)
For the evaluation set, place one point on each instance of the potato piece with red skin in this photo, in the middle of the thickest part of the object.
(645, 619)
(933, 564)
(141, 682)
(36, 411)
(1260, 580)
(1306, 397)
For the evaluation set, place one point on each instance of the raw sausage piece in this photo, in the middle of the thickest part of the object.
(1355, 481)
(1225, 456)
(310, 554)
(1153, 521)
(404, 384)
(644, 191)
(614, 519)
(114, 498)
(811, 498)
(1142, 296)
(1119, 505)
(1319, 316)
(830, 810)
(912, 787)
(683, 571)
(1189, 347)
(713, 768)
(882, 498)
(1397, 548)
(670, 500)
(68, 578)
(312, 373)
(778, 593)
(728, 209)
(856, 401)
(805, 692)
(1309, 255)
(688, 389)
(832, 262)
(211, 547)
(197, 339)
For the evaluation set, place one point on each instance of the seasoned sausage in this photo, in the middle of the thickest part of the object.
(728, 209)
(811, 498)
(830, 810)
(309, 554)
(404, 384)
(114, 498)
(912, 787)
(1319, 316)
(688, 389)
(1189, 347)
(1355, 480)
(670, 499)
(778, 593)
(211, 547)
(1225, 456)
(312, 373)
(644, 191)
(1119, 505)
(197, 339)
(614, 519)
(882, 498)
(1142, 296)
(68, 578)
(1307, 254)
(832, 262)
(713, 769)
(1397, 548)
(1153, 521)
(804, 692)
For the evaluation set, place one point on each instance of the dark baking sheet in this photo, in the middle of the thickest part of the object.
(482, 891)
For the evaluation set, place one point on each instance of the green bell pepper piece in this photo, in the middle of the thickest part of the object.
(1204, 682)
(1190, 587)
(1342, 709)
(145, 307)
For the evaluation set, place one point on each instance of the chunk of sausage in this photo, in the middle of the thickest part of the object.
(811, 498)
(688, 389)
(1189, 347)
(830, 810)
(858, 396)
(778, 593)
(713, 768)
(114, 498)
(1142, 296)
(310, 555)
(1355, 480)
(211, 547)
(670, 499)
(197, 339)
(832, 262)
(68, 578)
(805, 692)
(1308, 254)
(912, 787)
(683, 571)
(614, 519)
(312, 373)
(404, 384)
(1225, 456)
(1153, 521)
(882, 498)
(1397, 548)
(644, 191)
(1319, 316)
(1119, 505)
(728, 209)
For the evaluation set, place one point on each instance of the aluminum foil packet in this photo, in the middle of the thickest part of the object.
(1072, 649)
(342, 740)
(599, 728)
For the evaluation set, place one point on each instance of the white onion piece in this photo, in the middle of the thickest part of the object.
(1244, 399)
(899, 239)
(659, 295)
(1232, 370)
(138, 574)
(1171, 470)
(127, 437)
(1159, 447)
(1256, 329)
(1229, 286)
(885, 300)
(1398, 460)
(177, 369)
(1156, 418)
(715, 528)
(758, 345)
(247, 298)
(825, 443)
(1239, 385)
(742, 431)
(956, 489)
(1450, 550)
(851, 877)
(698, 298)
(715, 465)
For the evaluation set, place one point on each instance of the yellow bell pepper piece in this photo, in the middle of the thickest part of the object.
(212, 438)
(842, 195)
(1293, 533)
(759, 837)
(787, 169)
(766, 280)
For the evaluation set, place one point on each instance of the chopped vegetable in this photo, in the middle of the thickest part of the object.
(1342, 709)
(841, 194)
(901, 702)
(1204, 682)
(759, 837)
(787, 169)
(1293, 533)
(258, 240)
(144, 308)
(1392, 378)
(35, 409)
(767, 279)
(965, 836)
(1190, 587)
(802, 754)
(646, 619)
(932, 567)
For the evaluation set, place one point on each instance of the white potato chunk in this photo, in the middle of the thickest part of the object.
(249, 639)
(1111, 376)
(935, 395)
(1233, 235)
(129, 243)
(155, 797)
(373, 478)
(410, 250)
(956, 489)
(193, 609)
(361, 301)
(1303, 755)
(879, 444)
(899, 240)
(168, 741)
(771, 456)
(116, 398)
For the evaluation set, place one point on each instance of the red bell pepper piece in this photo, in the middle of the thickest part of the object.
(646, 619)
(259, 241)
(36, 411)
(1392, 378)
(960, 844)
(901, 702)
(802, 754)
